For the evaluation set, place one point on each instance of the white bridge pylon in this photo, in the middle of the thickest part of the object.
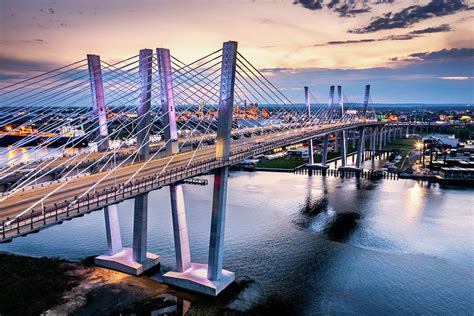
(209, 278)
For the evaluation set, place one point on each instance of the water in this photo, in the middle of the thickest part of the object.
(312, 244)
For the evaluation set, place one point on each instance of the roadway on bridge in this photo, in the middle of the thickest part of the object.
(20, 201)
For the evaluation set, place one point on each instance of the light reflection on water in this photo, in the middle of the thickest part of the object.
(312, 244)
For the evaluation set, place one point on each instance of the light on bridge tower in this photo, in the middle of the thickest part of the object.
(143, 109)
(98, 101)
(167, 100)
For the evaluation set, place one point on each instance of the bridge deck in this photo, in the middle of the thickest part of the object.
(62, 201)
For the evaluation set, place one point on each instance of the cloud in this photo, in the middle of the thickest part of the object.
(399, 37)
(444, 54)
(348, 8)
(455, 78)
(412, 15)
(13, 68)
(310, 4)
(437, 81)
(344, 8)
(435, 29)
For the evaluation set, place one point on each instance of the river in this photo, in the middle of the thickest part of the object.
(311, 244)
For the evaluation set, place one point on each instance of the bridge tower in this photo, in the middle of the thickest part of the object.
(324, 157)
(217, 278)
(361, 148)
(322, 166)
(133, 260)
(98, 101)
(344, 132)
(310, 141)
(178, 208)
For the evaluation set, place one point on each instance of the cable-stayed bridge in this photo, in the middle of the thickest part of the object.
(152, 121)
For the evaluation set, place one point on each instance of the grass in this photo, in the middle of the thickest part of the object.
(32, 285)
(285, 163)
(281, 163)
(403, 146)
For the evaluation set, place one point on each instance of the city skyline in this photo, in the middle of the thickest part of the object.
(410, 52)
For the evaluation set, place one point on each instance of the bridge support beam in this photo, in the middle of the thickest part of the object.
(373, 142)
(180, 229)
(380, 139)
(143, 110)
(186, 272)
(361, 149)
(98, 101)
(217, 278)
(112, 229)
(215, 272)
(134, 260)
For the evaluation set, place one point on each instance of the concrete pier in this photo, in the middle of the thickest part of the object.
(112, 229)
(133, 260)
(361, 149)
(180, 228)
(209, 279)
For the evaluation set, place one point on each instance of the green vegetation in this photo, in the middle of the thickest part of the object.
(286, 163)
(32, 285)
(281, 163)
(403, 146)
(461, 133)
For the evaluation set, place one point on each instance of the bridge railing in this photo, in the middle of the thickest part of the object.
(58, 212)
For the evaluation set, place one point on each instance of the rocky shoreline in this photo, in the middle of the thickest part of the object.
(49, 286)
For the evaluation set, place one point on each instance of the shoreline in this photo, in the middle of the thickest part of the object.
(53, 286)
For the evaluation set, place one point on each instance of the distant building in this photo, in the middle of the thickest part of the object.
(443, 139)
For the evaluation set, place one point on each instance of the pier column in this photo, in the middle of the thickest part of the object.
(112, 229)
(219, 199)
(353, 138)
(178, 209)
(380, 134)
(361, 148)
(140, 225)
(310, 141)
(336, 142)
(380, 139)
(180, 228)
(143, 111)
(98, 101)
(324, 157)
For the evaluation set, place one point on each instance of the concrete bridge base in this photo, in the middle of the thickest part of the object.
(350, 169)
(195, 279)
(123, 261)
(316, 166)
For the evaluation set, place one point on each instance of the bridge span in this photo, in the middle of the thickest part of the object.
(34, 199)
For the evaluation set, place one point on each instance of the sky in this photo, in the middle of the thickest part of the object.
(412, 51)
